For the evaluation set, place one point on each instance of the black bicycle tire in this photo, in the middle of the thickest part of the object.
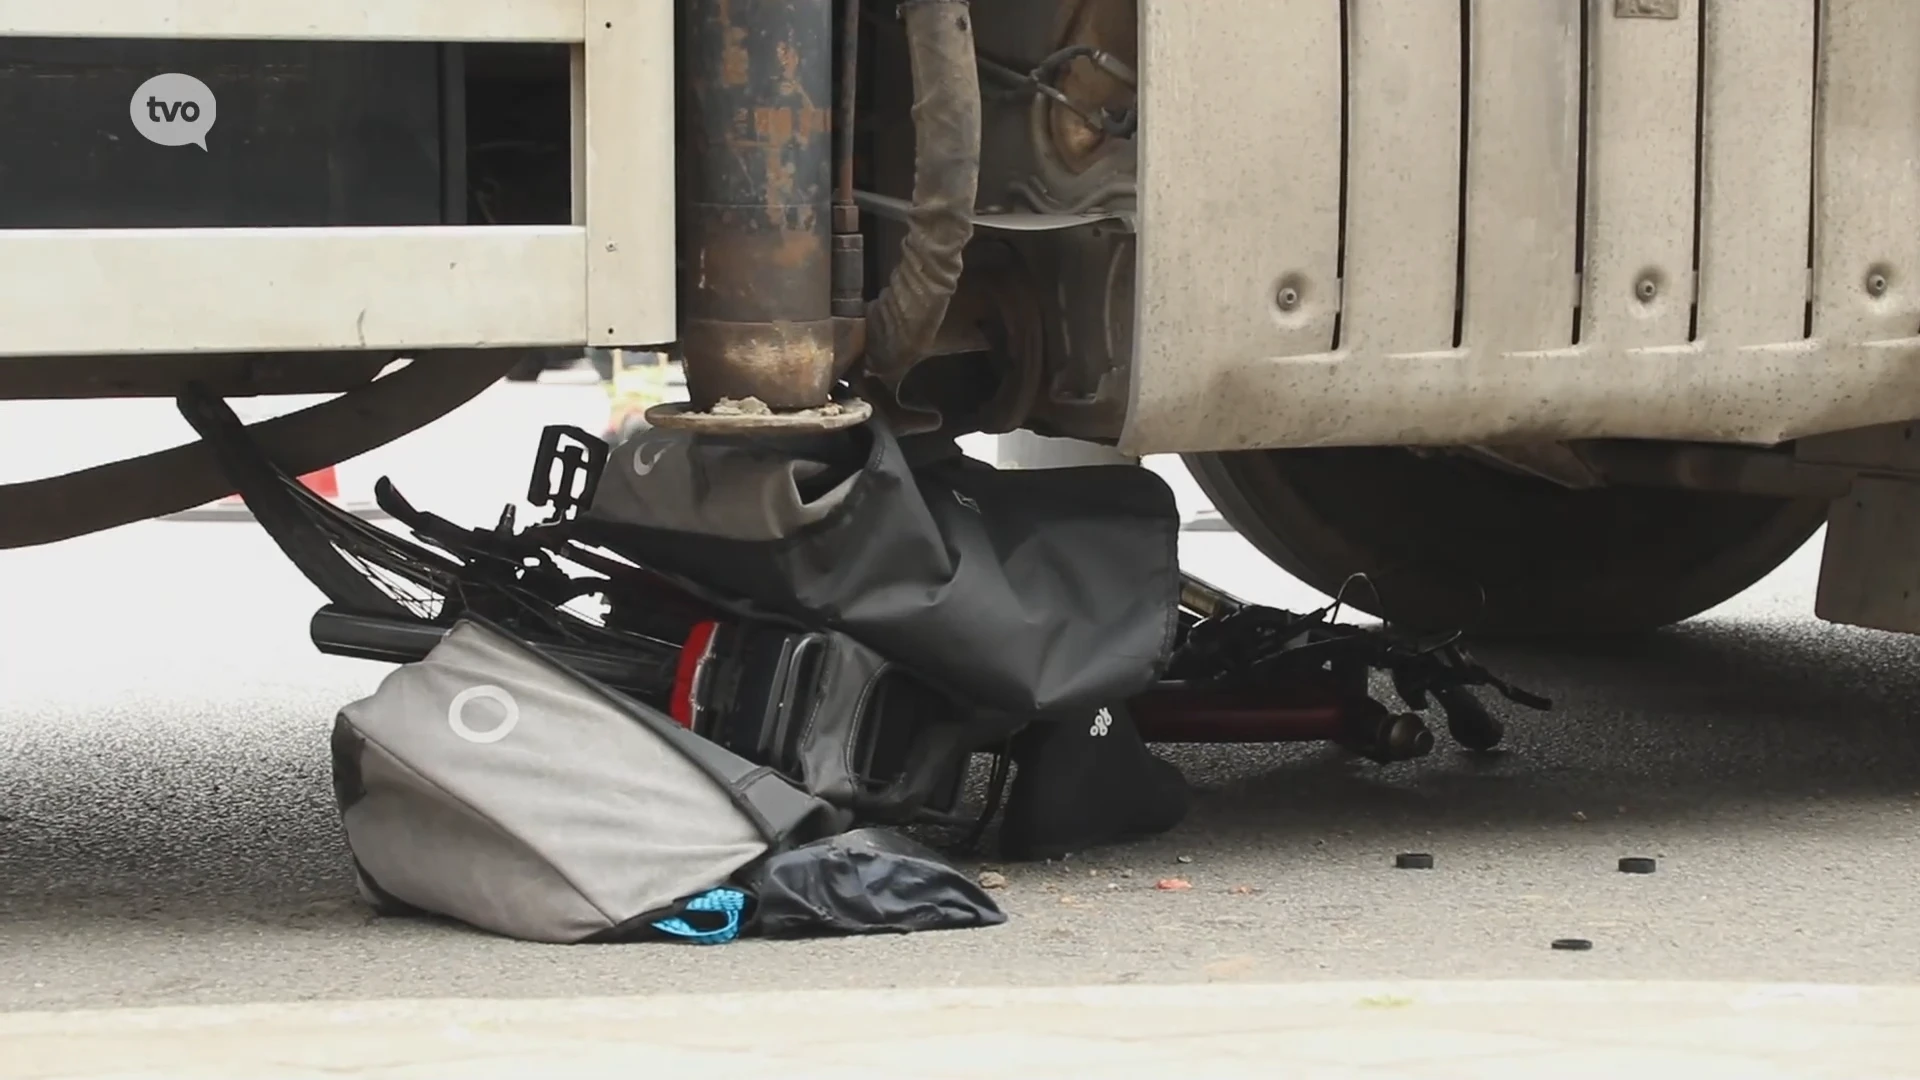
(263, 486)
(559, 626)
(319, 508)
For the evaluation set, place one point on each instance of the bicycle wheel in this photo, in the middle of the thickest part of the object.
(360, 566)
(366, 570)
(365, 574)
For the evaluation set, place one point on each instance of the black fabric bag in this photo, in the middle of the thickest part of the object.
(1085, 780)
(1023, 591)
(869, 881)
(845, 723)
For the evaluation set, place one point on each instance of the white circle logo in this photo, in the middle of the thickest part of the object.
(173, 110)
(457, 719)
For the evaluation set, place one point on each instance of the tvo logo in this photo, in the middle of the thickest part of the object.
(173, 110)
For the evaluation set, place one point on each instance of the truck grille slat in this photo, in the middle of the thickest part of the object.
(1756, 181)
(1867, 193)
(1403, 175)
(1523, 162)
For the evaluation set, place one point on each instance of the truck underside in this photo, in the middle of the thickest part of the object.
(1547, 315)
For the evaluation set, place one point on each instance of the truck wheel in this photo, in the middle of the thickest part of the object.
(1437, 533)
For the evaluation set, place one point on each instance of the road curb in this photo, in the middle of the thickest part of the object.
(1412, 1029)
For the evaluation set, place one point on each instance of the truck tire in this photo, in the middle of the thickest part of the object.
(1452, 543)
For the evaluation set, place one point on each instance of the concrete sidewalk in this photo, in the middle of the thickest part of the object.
(1561, 1030)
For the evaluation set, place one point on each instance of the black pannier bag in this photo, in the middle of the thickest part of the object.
(1020, 591)
(845, 723)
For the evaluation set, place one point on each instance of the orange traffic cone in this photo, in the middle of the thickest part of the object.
(323, 483)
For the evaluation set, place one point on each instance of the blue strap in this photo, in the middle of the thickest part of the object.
(728, 902)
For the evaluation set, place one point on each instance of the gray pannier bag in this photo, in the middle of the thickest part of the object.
(491, 784)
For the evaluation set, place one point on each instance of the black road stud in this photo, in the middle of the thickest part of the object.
(1413, 860)
(1637, 864)
(1572, 944)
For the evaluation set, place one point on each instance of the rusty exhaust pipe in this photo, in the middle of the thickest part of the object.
(756, 184)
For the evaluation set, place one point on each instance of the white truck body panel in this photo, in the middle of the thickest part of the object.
(607, 280)
(1276, 310)
(553, 21)
(1703, 226)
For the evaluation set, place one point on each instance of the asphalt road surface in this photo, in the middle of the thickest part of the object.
(167, 834)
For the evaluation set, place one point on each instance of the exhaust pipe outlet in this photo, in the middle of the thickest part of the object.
(755, 180)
